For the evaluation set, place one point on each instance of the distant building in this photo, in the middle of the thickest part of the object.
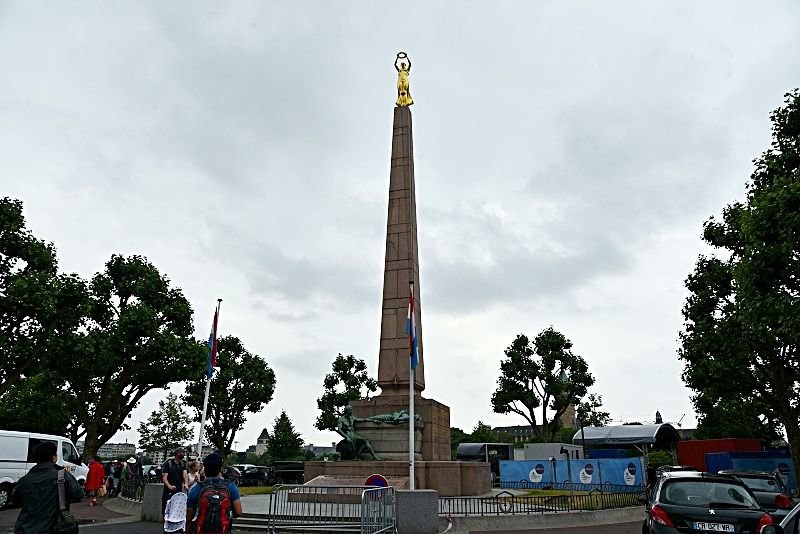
(261, 442)
(568, 419)
(318, 450)
(111, 450)
(520, 432)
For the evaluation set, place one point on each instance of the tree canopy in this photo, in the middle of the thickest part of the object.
(167, 428)
(589, 411)
(138, 337)
(349, 381)
(244, 383)
(541, 375)
(36, 303)
(284, 442)
(741, 324)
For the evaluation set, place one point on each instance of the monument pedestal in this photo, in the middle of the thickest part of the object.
(435, 416)
(389, 441)
(450, 479)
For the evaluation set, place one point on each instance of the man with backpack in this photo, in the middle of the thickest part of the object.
(174, 477)
(213, 503)
(37, 492)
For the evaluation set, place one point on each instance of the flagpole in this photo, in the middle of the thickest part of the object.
(411, 393)
(212, 348)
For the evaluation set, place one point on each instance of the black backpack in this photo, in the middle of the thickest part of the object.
(214, 507)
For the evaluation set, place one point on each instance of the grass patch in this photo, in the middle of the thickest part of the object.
(255, 490)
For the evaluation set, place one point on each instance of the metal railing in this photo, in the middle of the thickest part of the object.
(363, 509)
(507, 503)
(133, 489)
(608, 487)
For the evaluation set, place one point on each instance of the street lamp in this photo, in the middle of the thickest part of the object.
(581, 415)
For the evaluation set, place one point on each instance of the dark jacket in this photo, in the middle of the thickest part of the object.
(37, 493)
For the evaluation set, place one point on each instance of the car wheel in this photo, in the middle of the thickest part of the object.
(5, 495)
(235, 481)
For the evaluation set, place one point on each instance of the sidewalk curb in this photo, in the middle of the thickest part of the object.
(121, 505)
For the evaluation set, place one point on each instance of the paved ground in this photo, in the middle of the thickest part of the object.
(102, 519)
(84, 513)
(620, 528)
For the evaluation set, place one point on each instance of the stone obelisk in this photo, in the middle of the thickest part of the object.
(432, 467)
(401, 267)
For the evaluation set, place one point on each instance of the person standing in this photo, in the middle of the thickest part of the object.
(194, 475)
(213, 467)
(37, 492)
(174, 476)
(94, 479)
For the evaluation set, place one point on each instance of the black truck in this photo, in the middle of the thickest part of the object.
(288, 472)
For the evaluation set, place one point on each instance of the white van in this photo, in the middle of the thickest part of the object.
(16, 458)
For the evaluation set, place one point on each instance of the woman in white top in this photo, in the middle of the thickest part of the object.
(194, 476)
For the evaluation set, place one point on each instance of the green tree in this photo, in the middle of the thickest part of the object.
(482, 433)
(658, 458)
(349, 381)
(729, 418)
(243, 384)
(456, 436)
(166, 428)
(742, 329)
(284, 441)
(590, 413)
(137, 338)
(37, 404)
(36, 304)
(541, 375)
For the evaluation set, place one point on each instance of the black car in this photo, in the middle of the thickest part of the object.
(791, 523)
(258, 476)
(768, 488)
(687, 501)
(231, 474)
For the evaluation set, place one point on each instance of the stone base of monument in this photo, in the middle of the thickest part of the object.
(450, 479)
(435, 440)
(390, 442)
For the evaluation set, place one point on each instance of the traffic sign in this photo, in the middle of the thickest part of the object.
(377, 480)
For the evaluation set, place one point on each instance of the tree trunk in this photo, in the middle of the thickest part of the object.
(90, 446)
(793, 437)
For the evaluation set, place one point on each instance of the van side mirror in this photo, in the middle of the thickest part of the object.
(771, 529)
(643, 498)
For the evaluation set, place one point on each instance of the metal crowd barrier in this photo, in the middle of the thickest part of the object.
(133, 489)
(363, 509)
(508, 503)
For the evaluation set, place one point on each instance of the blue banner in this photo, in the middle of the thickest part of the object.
(616, 471)
(782, 466)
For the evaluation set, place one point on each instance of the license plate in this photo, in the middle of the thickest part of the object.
(714, 527)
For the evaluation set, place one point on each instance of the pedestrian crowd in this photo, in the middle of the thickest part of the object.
(194, 497)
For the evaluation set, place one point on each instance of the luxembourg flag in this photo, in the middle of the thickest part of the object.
(411, 330)
(212, 346)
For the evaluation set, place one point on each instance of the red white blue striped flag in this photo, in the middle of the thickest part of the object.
(411, 330)
(212, 346)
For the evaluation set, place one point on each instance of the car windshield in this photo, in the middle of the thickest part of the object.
(706, 493)
(760, 484)
(252, 470)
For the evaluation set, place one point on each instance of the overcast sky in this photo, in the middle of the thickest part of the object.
(566, 156)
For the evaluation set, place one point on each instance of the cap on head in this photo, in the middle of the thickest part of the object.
(180, 450)
(44, 452)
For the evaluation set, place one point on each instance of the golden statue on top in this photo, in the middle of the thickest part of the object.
(403, 94)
